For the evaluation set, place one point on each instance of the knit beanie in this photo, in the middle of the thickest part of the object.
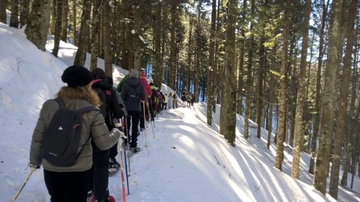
(134, 73)
(76, 76)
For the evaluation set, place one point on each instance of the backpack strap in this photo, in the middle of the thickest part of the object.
(60, 102)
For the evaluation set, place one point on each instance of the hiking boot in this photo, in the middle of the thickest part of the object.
(89, 195)
(113, 164)
(142, 129)
(135, 150)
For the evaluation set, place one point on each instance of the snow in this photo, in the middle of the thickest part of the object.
(185, 159)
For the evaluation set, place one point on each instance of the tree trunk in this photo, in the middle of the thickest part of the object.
(38, 24)
(327, 96)
(344, 93)
(230, 72)
(24, 12)
(318, 91)
(95, 34)
(53, 17)
(283, 86)
(64, 20)
(249, 79)
(57, 33)
(172, 58)
(14, 18)
(157, 31)
(107, 38)
(241, 60)
(299, 126)
(84, 34)
(210, 71)
(3, 11)
(74, 21)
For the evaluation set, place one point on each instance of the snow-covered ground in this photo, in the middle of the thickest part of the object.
(185, 160)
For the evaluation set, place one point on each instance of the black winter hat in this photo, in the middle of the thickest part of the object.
(76, 76)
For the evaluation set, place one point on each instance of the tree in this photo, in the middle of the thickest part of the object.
(3, 4)
(14, 20)
(327, 96)
(64, 20)
(318, 86)
(24, 12)
(107, 38)
(230, 72)
(95, 34)
(210, 75)
(299, 127)
(84, 34)
(280, 133)
(57, 33)
(344, 91)
(38, 24)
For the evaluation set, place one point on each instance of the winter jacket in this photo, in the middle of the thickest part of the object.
(147, 89)
(113, 109)
(93, 123)
(119, 86)
(139, 88)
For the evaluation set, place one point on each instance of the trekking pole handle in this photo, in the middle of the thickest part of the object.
(23, 185)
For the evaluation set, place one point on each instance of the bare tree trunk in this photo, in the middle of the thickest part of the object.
(230, 72)
(38, 24)
(24, 12)
(283, 86)
(157, 31)
(84, 34)
(14, 18)
(327, 96)
(172, 58)
(249, 79)
(74, 33)
(57, 33)
(107, 38)
(241, 60)
(344, 93)
(299, 126)
(64, 20)
(3, 11)
(95, 34)
(318, 90)
(210, 76)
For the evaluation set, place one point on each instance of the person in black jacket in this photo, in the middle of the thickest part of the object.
(110, 109)
(133, 105)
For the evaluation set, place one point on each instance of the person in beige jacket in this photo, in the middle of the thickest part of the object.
(70, 184)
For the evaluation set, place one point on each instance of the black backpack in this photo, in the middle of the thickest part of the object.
(62, 137)
(133, 99)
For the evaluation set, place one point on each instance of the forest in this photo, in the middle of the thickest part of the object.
(291, 66)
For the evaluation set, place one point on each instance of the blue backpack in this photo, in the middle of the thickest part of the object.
(133, 99)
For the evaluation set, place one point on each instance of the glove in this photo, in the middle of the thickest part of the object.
(34, 166)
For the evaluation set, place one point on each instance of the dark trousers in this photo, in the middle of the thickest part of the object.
(99, 173)
(135, 117)
(67, 186)
(114, 151)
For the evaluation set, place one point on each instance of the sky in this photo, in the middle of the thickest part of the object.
(185, 160)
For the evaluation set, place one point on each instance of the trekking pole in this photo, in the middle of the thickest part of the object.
(122, 167)
(23, 185)
(151, 120)
(127, 145)
(143, 105)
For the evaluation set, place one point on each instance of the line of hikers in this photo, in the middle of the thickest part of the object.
(99, 130)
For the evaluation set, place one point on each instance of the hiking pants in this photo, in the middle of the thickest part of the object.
(67, 186)
(135, 117)
(100, 173)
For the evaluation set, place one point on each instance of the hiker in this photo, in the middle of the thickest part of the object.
(148, 94)
(166, 98)
(170, 101)
(102, 160)
(175, 105)
(132, 92)
(188, 99)
(71, 183)
(153, 101)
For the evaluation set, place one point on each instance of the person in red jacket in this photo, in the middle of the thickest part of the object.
(148, 94)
